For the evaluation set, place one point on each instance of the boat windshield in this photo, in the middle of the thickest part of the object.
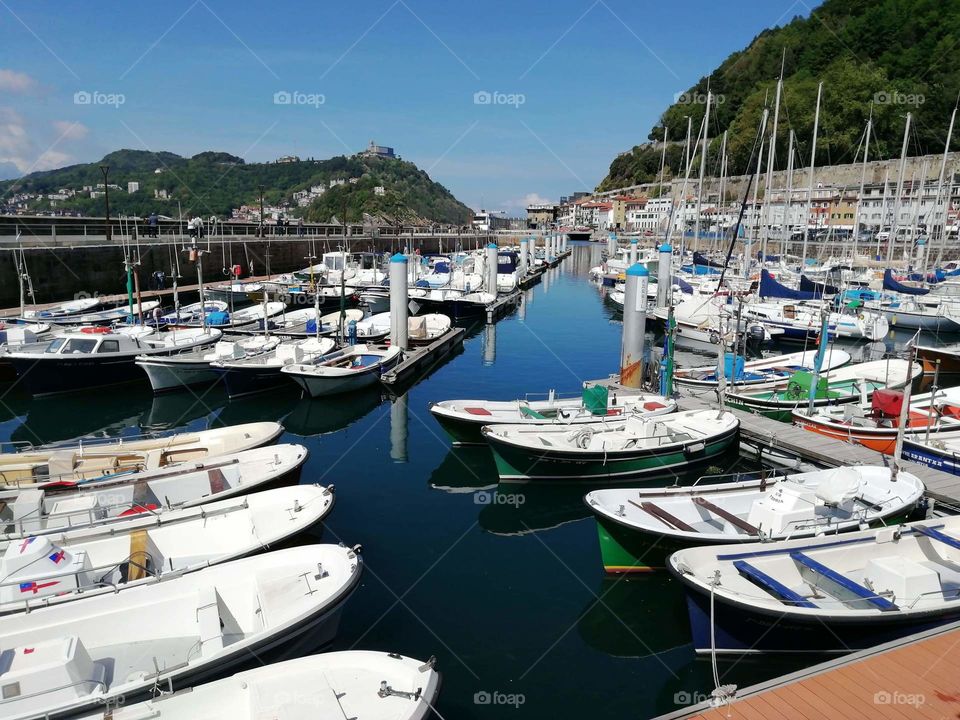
(55, 345)
(79, 346)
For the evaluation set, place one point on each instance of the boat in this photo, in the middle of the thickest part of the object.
(64, 310)
(235, 293)
(93, 357)
(191, 369)
(376, 300)
(639, 528)
(940, 450)
(946, 358)
(421, 329)
(346, 370)
(875, 424)
(463, 420)
(700, 322)
(43, 508)
(72, 564)
(845, 385)
(247, 318)
(777, 369)
(825, 594)
(80, 656)
(119, 313)
(260, 372)
(632, 447)
(360, 684)
(15, 337)
(192, 314)
(507, 273)
(91, 458)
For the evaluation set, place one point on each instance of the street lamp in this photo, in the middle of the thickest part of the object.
(106, 199)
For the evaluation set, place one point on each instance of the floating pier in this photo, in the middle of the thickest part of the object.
(916, 676)
(419, 359)
(502, 305)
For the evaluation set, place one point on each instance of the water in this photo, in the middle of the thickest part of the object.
(510, 597)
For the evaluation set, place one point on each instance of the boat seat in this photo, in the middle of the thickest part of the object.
(533, 414)
(138, 556)
(729, 517)
(477, 411)
(845, 583)
(772, 586)
(663, 516)
(939, 536)
(218, 481)
(208, 621)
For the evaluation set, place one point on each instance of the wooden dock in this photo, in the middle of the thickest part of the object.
(418, 360)
(917, 676)
(765, 433)
(502, 305)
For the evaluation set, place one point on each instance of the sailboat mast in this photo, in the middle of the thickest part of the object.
(813, 158)
(771, 159)
(788, 200)
(936, 205)
(863, 181)
(703, 172)
(896, 200)
(883, 207)
(747, 252)
(723, 188)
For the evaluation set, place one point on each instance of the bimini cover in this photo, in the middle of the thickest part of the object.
(771, 288)
(887, 402)
(890, 284)
(808, 285)
(838, 486)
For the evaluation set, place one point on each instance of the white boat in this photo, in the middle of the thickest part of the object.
(824, 594)
(255, 314)
(235, 292)
(640, 527)
(802, 322)
(913, 314)
(57, 567)
(92, 458)
(257, 373)
(357, 684)
(189, 369)
(464, 419)
(376, 300)
(192, 313)
(93, 357)
(701, 322)
(421, 329)
(351, 368)
(42, 509)
(80, 656)
(63, 310)
(765, 370)
(303, 323)
(121, 312)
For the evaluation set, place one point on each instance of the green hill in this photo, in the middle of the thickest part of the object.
(899, 55)
(213, 183)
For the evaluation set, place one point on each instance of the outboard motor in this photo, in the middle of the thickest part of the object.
(352, 332)
(756, 336)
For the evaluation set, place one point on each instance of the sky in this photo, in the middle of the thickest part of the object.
(504, 102)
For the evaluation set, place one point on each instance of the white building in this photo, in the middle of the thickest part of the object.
(133, 186)
(379, 190)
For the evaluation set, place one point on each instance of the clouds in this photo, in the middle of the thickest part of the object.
(21, 152)
(15, 82)
(70, 130)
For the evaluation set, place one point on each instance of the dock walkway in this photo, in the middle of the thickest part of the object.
(917, 676)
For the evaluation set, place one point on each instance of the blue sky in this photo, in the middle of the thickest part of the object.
(577, 81)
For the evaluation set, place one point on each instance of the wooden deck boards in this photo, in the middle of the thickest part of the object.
(916, 677)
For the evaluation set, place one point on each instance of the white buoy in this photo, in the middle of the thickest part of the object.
(664, 281)
(634, 252)
(398, 301)
(634, 326)
(491, 269)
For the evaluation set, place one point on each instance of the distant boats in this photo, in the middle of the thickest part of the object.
(759, 372)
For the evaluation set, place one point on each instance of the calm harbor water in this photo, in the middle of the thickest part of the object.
(504, 586)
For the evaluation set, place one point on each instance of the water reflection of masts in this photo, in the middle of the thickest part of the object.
(398, 429)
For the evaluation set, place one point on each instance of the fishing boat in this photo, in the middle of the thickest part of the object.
(764, 371)
(64, 310)
(463, 420)
(91, 458)
(192, 369)
(635, 446)
(875, 424)
(257, 373)
(18, 337)
(192, 314)
(54, 568)
(252, 317)
(845, 385)
(701, 322)
(119, 313)
(939, 450)
(638, 528)
(825, 594)
(37, 509)
(421, 329)
(346, 370)
(947, 359)
(359, 684)
(235, 293)
(93, 357)
(303, 323)
(79, 656)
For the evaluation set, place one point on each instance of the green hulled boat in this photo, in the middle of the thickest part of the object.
(854, 383)
(634, 447)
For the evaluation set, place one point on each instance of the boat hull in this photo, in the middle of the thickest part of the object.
(63, 374)
(170, 377)
(939, 459)
(248, 380)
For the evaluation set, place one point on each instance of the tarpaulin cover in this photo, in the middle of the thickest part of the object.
(218, 318)
(888, 402)
(808, 285)
(595, 399)
(699, 259)
(684, 286)
(771, 288)
(311, 326)
(890, 284)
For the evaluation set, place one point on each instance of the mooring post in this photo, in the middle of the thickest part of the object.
(664, 281)
(491, 269)
(634, 326)
(398, 301)
(634, 252)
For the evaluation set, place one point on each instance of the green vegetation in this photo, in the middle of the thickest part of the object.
(214, 183)
(898, 56)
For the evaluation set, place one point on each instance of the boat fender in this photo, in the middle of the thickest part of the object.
(330, 489)
(97, 330)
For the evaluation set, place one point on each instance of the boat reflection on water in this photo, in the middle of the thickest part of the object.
(513, 509)
(174, 410)
(399, 432)
(272, 405)
(320, 416)
(464, 470)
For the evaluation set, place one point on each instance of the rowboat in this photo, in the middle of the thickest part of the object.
(48, 508)
(346, 370)
(421, 329)
(79, 656)
(93, 458)
(191, 369)
(941, 450)
(63, 310)
(825, 594)
(638, 528)
(463, 419)
(875, 424)
(260, 372)
(58, 567)
(765, 371)
(359, 684)
(635, 446)
(844, 385)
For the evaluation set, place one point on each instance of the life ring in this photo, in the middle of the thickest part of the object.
(96, 330)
